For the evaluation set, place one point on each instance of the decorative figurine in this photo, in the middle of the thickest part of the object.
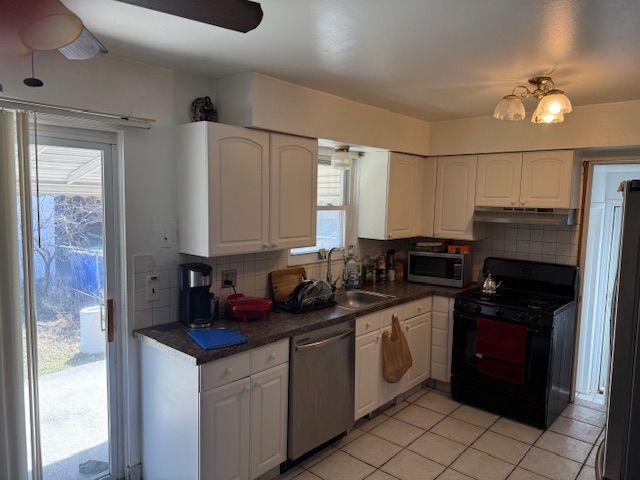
(203, 109)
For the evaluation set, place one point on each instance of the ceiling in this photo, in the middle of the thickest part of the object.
(432, 59)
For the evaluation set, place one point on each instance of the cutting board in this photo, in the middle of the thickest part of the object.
(210, 338)
(284, 281)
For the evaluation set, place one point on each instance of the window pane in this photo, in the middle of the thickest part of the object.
(331, 186)
(329, 234)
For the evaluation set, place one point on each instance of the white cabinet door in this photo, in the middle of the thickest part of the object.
(224, 432)
(498, 180)
(418, 333)
(269, 402)
(402, 197)
(294, 177)
(238, 190)
(441, 336)
(547, 179)
(367, 373)
(389, 391)
(455, 197)
(427, 204)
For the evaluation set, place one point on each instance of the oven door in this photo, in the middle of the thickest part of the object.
(436, 269)
(525, 401)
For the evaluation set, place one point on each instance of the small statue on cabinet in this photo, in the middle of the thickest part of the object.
(203, 109)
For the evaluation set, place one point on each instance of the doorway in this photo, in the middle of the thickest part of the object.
(73, 400)
(600, 272)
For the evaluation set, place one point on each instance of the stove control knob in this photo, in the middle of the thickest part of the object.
(499, 312)
(522, 316)
(477, 309)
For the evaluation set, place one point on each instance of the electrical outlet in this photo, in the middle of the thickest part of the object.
(228, 278)
(153, 288)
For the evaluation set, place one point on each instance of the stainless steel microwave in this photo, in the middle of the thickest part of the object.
(447, 269)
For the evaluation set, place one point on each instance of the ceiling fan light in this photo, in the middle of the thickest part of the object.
(555, 101)
(542, 116)
(50, 26)
(341, 158)
(510, 108)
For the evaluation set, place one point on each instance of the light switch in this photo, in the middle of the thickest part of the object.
(153, 288)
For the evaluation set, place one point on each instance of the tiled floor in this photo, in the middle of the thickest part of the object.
(429, 436)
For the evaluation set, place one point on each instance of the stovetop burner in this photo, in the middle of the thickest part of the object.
(517, 299)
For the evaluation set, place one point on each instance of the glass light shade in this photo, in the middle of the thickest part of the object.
(554, 102)
(50, 25)
(510, 108)
(540, 116)
(341, 159)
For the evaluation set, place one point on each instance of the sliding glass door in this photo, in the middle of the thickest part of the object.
(73, 349)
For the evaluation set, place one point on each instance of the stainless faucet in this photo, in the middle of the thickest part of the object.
(329, 275)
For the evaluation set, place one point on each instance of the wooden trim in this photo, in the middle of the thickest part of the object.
(110, 321)
(583, 203)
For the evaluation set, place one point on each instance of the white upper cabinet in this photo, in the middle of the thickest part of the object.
(389, 195)
(237, 195)
(549, 179)
(428, 192)
(498, 180)
(294, 176)
(455, 197)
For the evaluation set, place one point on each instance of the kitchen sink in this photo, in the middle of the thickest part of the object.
(353, 299)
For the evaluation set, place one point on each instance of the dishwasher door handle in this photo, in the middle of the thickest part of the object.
(322, 343)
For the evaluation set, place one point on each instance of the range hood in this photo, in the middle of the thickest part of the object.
(532, 216)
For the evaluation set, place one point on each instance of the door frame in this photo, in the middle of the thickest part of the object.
(114, 264)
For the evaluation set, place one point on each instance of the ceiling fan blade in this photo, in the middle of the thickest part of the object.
(85, 47)
(239, 15)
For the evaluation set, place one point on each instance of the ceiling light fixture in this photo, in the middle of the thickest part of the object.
(341, 157)
(552, 103)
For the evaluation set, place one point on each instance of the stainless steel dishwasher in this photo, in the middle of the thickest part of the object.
(322, 384)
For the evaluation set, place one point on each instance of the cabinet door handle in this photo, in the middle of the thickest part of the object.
(228, 371)
(274, 245)
(368, 325)
(378, 338)
(406, 328)
(419, 308)
(257, 383)
(272, 356)
(265, 245)
(514, 202)
(246, 388)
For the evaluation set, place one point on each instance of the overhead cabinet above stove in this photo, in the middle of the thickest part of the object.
(244, 191)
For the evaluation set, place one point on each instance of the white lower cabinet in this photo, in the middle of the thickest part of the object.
(225, 420)
(224, 424)
(367, 373)
(389, 391)
(442, 338)
(418, 332)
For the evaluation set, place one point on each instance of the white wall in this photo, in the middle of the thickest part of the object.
(592, 126)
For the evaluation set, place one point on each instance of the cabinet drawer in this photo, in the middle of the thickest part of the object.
(367, 323)
(440, 304)
(225, 370)
(388, 313)
(269, 356)
(415, 308)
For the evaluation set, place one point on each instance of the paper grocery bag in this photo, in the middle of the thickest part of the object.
(396, 356)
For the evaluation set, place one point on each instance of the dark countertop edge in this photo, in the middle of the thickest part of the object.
(202, 357)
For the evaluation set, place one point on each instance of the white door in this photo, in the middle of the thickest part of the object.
(455, 197)
(224, 432)
(498, 180)
(269, 402)
(367, 373)
(389, 391)
(294, 176)
(75, 428)
(418, 333)
(546, 179)
(402, 197)
(238, 190)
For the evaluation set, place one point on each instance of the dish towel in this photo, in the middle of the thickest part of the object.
(211, 338)
(501, 348)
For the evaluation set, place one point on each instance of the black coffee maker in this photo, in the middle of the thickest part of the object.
(195, 298)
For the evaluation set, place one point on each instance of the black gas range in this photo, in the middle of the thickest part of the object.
(513, 350)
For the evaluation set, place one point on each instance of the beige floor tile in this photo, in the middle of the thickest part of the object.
(437, 448)
(350, 437)
(307, 476)
(438, 402)
(589, 404)
(380, 475)
(420, 417)
(414, 397)
(367, 425)
(591, 459)
(411, 466)
(450, 474)
(586, 415)
(391, 411)
(475, 416)
(574, 428)
(482, 466)
(324, 453)
(564, 446)
(550, 465)
(372, 450)
(398, 432)
(517, 430)
(587, 473)
(341, 466)
(457, 430)
(292, 473)
(499, 446)
(520, 474)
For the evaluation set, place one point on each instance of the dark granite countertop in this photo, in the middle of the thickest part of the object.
(283, 325)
